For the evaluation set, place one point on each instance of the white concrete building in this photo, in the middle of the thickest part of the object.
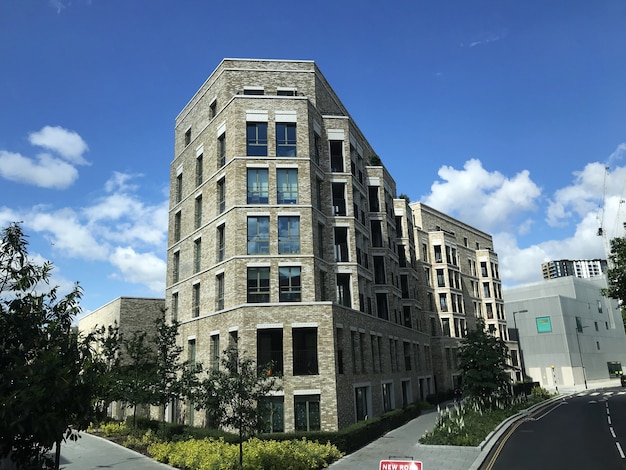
(569, 334)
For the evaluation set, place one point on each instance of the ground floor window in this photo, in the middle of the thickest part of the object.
(307, 412)
(272, 414)
(387, 396)
(361, 397)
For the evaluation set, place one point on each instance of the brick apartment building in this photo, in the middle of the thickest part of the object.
(287, 238)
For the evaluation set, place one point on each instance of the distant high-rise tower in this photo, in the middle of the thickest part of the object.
(582, 268)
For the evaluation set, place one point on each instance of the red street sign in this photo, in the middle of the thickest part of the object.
(400, 465)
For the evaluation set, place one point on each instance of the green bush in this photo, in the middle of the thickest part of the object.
(211, 454)
(115, 428)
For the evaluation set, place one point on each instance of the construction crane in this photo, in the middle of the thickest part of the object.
(602, 232)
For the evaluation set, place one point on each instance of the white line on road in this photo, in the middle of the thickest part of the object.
(608, 418)
(619, 448)
(612, 432)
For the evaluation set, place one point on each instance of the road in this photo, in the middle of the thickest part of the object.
(584, 431)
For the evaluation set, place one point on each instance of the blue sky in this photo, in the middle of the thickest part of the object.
(501, 113)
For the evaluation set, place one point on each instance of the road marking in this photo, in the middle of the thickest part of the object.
(608, 418)
(619, 448)
(549, 411)
(612, 432)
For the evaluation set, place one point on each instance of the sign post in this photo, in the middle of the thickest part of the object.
(400, 465)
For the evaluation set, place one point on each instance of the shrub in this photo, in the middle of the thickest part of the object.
(214, 454)
(115, 428)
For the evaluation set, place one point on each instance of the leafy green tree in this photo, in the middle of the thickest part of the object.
(172, 379)
(231, 394)
(107, 342)
(48, 375)
(483, 364)
(138, 372)
(616, 275)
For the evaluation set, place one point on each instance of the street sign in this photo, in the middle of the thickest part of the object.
(400, 465)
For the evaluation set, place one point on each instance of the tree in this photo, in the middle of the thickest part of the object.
(231, 394)
(483, 363)
(616, 275)
(169, 384)
(107, 344)
(138, 372)
(48, 375)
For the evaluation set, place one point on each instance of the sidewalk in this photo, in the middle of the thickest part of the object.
(92, 452)
(402, 443)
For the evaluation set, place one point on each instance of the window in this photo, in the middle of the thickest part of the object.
(258, 191)
(318, 194)
(486, 290)
(287, 186)
(191, 351)
(179, 188)
(407, 355)
(221, 150)
(197, 216)
(344, 297)
(176, 268)
(286, 139)
(320, 241)
(269, 350)
(304, 351)
(373, 198)
(199, 170)
(256, 139)
(215, 352)
(286, 92)
(187, 136)
(221, 195)
(377, 233)
(441, 279)
(317, 143)
(177, 223)
(174, 306)
(289, 284)
(307, 412)
(341, 244)
(387, 389)
(379, 270)
(197, 255)
(272, 414)
(258, 235)
(258, 285)
(443, 302)
(212, 109)
(221, 243)
(253, 90)
(381, 306)
(339, 198)
(483, 269)
(195, 300)
(289, 235)
(438, 258)
(361, 398)
(336, 156)
(219, 292)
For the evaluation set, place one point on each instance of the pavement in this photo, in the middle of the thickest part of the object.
(401, 444)
(92, 452)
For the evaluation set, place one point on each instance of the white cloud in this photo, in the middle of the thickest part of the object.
(140, 268)
(68, 234)
(68, 144)
(56, 171)
(45, 172)
(486, 200)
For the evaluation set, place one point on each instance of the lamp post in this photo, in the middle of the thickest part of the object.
(580, 353)
(519, 344)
